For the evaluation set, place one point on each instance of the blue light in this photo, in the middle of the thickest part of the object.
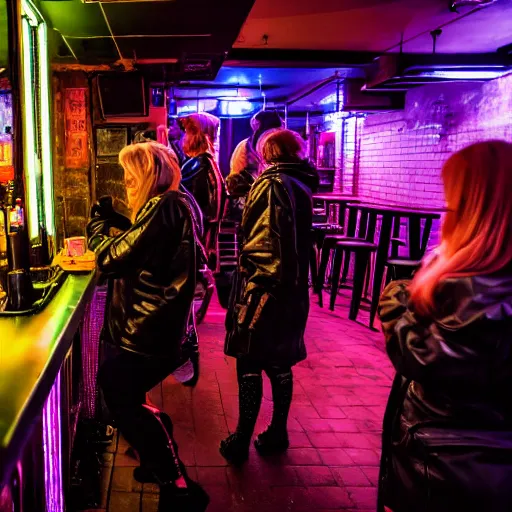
(236, 108)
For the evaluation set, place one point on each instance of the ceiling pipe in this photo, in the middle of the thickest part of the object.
(313, 89)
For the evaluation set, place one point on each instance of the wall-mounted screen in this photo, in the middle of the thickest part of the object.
(122, 95)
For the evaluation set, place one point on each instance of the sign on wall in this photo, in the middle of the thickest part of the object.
(110, 141)
(77, 138)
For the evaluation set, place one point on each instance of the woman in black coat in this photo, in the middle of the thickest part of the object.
(153, 266)
(201, 175)
(447, 441)
(267, 318)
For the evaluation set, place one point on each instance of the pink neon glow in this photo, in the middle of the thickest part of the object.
(52, 445)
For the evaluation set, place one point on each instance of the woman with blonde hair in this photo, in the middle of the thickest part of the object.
(269, 306)
(202, 176)
(447, 442)
(153, 268)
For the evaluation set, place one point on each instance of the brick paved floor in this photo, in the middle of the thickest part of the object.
(335, 422)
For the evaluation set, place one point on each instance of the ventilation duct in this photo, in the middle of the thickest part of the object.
(402, 72)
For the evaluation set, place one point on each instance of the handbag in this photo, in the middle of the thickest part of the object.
(464, 469)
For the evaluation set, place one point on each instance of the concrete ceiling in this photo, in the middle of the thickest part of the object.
(103, 32)
(375, 26)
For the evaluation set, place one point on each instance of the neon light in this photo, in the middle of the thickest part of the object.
(46, 129)
(29, 132)
(236, 107)
(34, 167)
(30, 13)
(464, 75)
(52, 447)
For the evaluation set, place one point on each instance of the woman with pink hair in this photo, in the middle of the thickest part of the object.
(447, 442)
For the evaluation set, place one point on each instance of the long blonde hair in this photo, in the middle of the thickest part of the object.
(476, 237)
(154, 169)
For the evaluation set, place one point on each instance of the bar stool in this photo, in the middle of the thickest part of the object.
(362, 250)
(329, 244)
(404, 268)
(401, 268)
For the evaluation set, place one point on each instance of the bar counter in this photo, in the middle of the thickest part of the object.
(32, 351)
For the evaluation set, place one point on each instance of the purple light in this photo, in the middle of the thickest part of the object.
(52, 446)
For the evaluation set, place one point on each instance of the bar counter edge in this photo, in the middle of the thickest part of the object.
(32, 350)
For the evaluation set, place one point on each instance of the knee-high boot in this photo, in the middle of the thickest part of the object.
(235, 448)
(275, 438)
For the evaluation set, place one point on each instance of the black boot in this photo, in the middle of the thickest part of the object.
(275, 438)
(193, 498)
(191, 345)
(235, 448)
(146, 475)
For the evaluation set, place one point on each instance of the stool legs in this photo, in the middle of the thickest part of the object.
(360, 268)
(346, 267)
(335, 278)
(322, 269)
(313, 263)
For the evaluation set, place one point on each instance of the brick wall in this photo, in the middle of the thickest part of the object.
(397, 157)
(401, 154)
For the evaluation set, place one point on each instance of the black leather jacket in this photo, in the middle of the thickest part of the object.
(238, 186)
(201, 177)
(153, 265)
(455, 370)
(270, 301)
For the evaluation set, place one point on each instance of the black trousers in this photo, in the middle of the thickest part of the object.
(125, 378)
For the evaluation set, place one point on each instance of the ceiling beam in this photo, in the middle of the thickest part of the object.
(259, 58)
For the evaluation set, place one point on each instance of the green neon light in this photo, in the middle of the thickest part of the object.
(42, 124)
(46, 129)
(29, 132)
(30, 12)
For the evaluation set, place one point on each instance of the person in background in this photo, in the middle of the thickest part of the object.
(202, 176)
(448, 425)
(153, 265)
(186, 375)
(267, 317)
(174, 137)
(245, 162)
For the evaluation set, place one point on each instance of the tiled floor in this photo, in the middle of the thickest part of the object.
(335, 421)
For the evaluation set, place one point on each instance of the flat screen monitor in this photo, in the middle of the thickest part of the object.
(122, 95)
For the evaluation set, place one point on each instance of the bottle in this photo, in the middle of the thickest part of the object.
(17, 217)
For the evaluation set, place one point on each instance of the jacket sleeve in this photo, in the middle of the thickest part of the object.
(422, 349)
(267, 224)
(239, 184)
(117, 254)
(198, 184)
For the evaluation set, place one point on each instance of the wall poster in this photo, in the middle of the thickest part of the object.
(77, 138)
(110, 141)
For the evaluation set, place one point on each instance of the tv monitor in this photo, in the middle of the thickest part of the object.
(122, 95)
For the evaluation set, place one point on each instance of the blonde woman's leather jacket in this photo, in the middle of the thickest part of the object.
(153, 266)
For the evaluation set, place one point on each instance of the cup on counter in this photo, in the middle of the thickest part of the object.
(20, 292)
(75, 246)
